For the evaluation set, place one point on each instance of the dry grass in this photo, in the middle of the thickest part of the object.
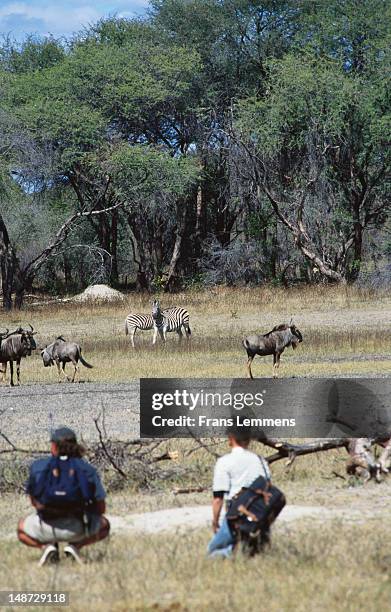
(327, 566)
(310, 567)
(315, 565)
(346, 332)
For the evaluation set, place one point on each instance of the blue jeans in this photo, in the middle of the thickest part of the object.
(222, 543)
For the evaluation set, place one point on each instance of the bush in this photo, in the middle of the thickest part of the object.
(240, 263)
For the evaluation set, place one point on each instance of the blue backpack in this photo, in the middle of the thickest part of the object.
(62, 489)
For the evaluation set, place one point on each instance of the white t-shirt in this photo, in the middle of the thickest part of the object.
(238, 469)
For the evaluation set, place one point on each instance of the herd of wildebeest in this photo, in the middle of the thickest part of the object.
(20, 343)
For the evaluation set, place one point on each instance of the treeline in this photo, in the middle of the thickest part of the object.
(214, 141)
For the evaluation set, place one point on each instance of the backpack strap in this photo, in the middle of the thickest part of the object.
(85, 486)
(35, 488)
(265, 467)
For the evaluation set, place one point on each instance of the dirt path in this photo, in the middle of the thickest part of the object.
(29, 411)
(195, 517)
(179, 520)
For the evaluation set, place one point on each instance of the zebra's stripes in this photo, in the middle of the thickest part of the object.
(142, 322)
(173, 319)
(133, 322)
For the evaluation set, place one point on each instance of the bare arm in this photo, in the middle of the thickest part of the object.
(217, 505)
(36, 503)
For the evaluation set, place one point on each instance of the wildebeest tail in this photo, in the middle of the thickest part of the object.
(126, 327)
(85, 363)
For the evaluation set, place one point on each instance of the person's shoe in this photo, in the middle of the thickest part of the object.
(72, 552)
(50, 555)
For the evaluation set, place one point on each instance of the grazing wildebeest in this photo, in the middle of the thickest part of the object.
(169, 320)
(61, 352)
(273, 343)
(16, 345)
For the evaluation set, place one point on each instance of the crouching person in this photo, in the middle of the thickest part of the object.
(69, 499)
(233, 472)
(252, 502)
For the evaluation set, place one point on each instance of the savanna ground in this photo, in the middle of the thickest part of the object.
(339, 564)
(346, 332)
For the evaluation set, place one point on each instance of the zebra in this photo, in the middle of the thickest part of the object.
(143, 322)
(169, 320)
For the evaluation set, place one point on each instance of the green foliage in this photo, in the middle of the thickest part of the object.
(233, 37)
(305, 94)
(141, 169)
(32, 54)
(148, 111)
(98, 91)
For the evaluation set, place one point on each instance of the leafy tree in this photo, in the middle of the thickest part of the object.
(83, 108)
(319, 143)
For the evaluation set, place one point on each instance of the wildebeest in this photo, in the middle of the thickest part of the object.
(273, 343)
(13, 347)
(62, 352)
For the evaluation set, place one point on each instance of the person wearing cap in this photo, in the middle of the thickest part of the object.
(233, 472)
(46, 533)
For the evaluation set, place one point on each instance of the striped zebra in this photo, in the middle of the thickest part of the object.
(172, 319)
(143, 322)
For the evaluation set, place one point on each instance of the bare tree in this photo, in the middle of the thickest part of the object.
(18, 279)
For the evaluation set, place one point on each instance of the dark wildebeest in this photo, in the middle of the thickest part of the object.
(16, 345)
(273, 343)
(61, 352)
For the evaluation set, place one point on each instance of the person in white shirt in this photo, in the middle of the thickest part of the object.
(234, 471)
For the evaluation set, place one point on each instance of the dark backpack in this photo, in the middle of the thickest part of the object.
(62, 489)
(253, 510)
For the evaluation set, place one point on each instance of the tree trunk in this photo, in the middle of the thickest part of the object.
(301, 237)
(114, 248)
(181, 226)
(143, 278)
(22, 284)
(67, 273)
(9, 265)
(355, 268)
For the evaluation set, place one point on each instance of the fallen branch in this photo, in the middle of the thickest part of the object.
(181, 491)
(291, 451)
(170, 455)
(338, 475)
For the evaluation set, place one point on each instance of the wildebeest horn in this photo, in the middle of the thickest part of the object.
(291, 321)
(31, 327)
